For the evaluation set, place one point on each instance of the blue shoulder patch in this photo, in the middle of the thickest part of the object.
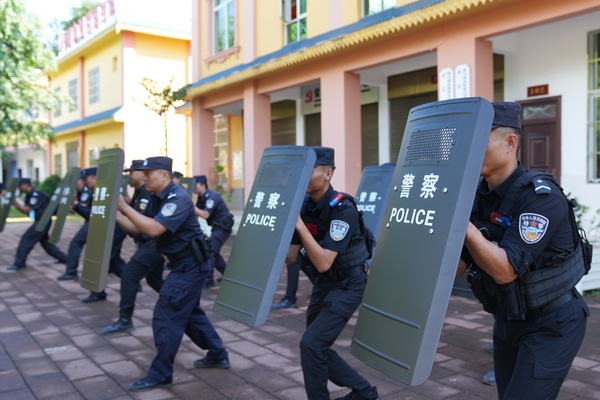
(541, 186)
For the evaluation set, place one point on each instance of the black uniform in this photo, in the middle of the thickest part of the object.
(221, 221)
(147, 262)
(177, 310)
(536, 335)
(38, 201)
(336, 294)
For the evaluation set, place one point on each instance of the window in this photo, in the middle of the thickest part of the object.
(371, 7)
(58, 164)
(73, 95)
(594, 107)
(224, 24)
(294, 14)
(94, 84)
(221, 151)
(58, 109)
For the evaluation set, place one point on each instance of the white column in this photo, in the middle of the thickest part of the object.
(384, 125)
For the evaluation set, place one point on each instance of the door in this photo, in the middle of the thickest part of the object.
(540, 149)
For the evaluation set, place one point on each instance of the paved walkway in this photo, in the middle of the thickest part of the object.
(51, 346)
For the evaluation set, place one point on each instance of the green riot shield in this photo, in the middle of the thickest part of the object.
(102, 219)
(371, 196)
(265, 234)
(52, 205)
(7, 201)
(66, 199)
(404, 305)
(188, 184)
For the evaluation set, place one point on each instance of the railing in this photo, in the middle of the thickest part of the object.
(85, 26)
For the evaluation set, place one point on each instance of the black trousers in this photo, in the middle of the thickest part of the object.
(145, 263)
(331, 306)
(217, 238)
(293, 277)
(78, 242)
(28, 241)
(532, 357)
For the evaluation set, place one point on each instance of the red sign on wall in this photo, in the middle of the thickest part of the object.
(537, 90)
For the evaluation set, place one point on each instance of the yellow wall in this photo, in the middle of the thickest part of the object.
(270, 35)
(66, 72)
(352, 11)
(111, 76)
(107, 136)
(317, 17)
(236, 147)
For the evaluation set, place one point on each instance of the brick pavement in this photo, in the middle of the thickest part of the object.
(51, 346)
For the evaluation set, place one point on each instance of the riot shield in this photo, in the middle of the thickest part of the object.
(66, 198)
(265, 234)
(372, 194)
(402, 314)
(52, 205)
(188, 184)
(7, 201)
(103, 218)
(124, 183)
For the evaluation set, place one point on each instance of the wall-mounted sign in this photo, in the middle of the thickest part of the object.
(462, 85)
(446, 84)
(539, 90)
(311, 97)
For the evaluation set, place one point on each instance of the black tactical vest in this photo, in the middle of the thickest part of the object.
(535, 288)
(357, 253)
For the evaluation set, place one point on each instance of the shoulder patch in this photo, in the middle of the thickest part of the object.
(33, 201)
(541, 186)
(338, 229)
(84, 196)
(168, 209)
(210, 203)
(171, 195)
(532, 227)
(143, 204)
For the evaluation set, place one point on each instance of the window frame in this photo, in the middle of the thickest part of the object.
(94, 85)
(74, 94)
(365, 6)
(286, 14)
(593, 148)
(58, 110)
(215, 55)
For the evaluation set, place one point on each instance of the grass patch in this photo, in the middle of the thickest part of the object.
(591, 293)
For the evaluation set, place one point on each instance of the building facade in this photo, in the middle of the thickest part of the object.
(102, 61)
(345, 73)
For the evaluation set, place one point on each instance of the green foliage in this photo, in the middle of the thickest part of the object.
(49, 185)
(25, 61)
(78, 12)
(161, 99)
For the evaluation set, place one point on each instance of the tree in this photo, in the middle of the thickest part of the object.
(25, 62)
(79, 12)
(161, 99)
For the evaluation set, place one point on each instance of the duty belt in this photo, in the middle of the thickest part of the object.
(350, 272)
(559, 301)
(173, 258)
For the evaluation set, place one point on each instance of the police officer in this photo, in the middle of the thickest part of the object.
(145, 263)
(212, 208)
(328, 230)
(522, 229)
(171, 220)
(177, 177)
(37, 202)
(82, 205)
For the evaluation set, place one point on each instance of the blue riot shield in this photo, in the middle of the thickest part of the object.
(419, 244)
(265, 233)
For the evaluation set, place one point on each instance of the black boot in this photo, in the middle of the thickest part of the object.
(122, 325)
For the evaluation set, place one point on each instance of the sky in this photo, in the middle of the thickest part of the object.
(48, 10)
